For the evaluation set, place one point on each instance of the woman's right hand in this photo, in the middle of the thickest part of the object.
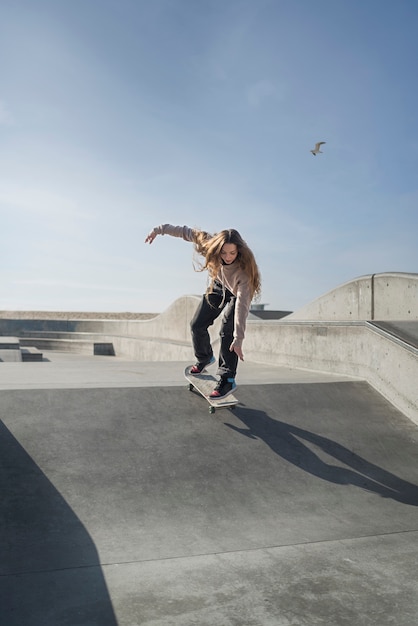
(151, 236)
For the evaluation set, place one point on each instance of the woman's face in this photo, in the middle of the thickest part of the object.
(229, 253)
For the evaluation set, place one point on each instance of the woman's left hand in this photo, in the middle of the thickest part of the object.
(237, 350)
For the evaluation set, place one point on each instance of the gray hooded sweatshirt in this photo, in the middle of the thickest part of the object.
(231, 277)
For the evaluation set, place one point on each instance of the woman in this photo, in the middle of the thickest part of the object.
(234, 280)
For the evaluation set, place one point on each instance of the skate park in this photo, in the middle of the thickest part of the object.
(125, 502)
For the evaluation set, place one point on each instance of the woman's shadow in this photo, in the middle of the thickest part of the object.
(286, 440)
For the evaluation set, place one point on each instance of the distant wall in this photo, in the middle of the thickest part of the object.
(164, 337)
(171, 325)
(331, 334)
(389, 296)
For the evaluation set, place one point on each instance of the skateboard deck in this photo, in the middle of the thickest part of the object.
(204, 384)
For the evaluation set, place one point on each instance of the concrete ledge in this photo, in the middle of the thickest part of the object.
(135, 348)
(66, 345)
(153, 349)
(10, 349)
(31, 354)
(104, 349)
(355, 349)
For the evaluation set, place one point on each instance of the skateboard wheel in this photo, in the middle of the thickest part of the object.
(191, 387)
(211, 409)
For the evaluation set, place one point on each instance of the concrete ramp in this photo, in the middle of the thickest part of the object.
(136, 507)
(386, 296)
(406, 331)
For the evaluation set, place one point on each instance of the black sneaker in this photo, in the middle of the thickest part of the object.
(200, 367)
(224, 387)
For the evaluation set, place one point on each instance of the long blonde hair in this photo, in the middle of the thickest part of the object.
(210, 247)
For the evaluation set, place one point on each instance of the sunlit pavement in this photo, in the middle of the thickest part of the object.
(125, 502)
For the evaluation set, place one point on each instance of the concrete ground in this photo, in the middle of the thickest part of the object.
(123, 502)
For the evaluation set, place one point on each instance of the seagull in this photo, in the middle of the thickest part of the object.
(316, 150)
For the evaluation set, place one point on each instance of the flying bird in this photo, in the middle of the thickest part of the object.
(317, 150)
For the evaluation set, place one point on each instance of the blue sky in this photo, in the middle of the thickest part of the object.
(117, 115)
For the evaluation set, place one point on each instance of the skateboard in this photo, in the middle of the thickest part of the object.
(204, 384)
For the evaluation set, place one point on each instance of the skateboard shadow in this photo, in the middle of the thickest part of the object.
(288, 441)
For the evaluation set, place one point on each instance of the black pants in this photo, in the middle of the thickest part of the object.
(206, 313)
